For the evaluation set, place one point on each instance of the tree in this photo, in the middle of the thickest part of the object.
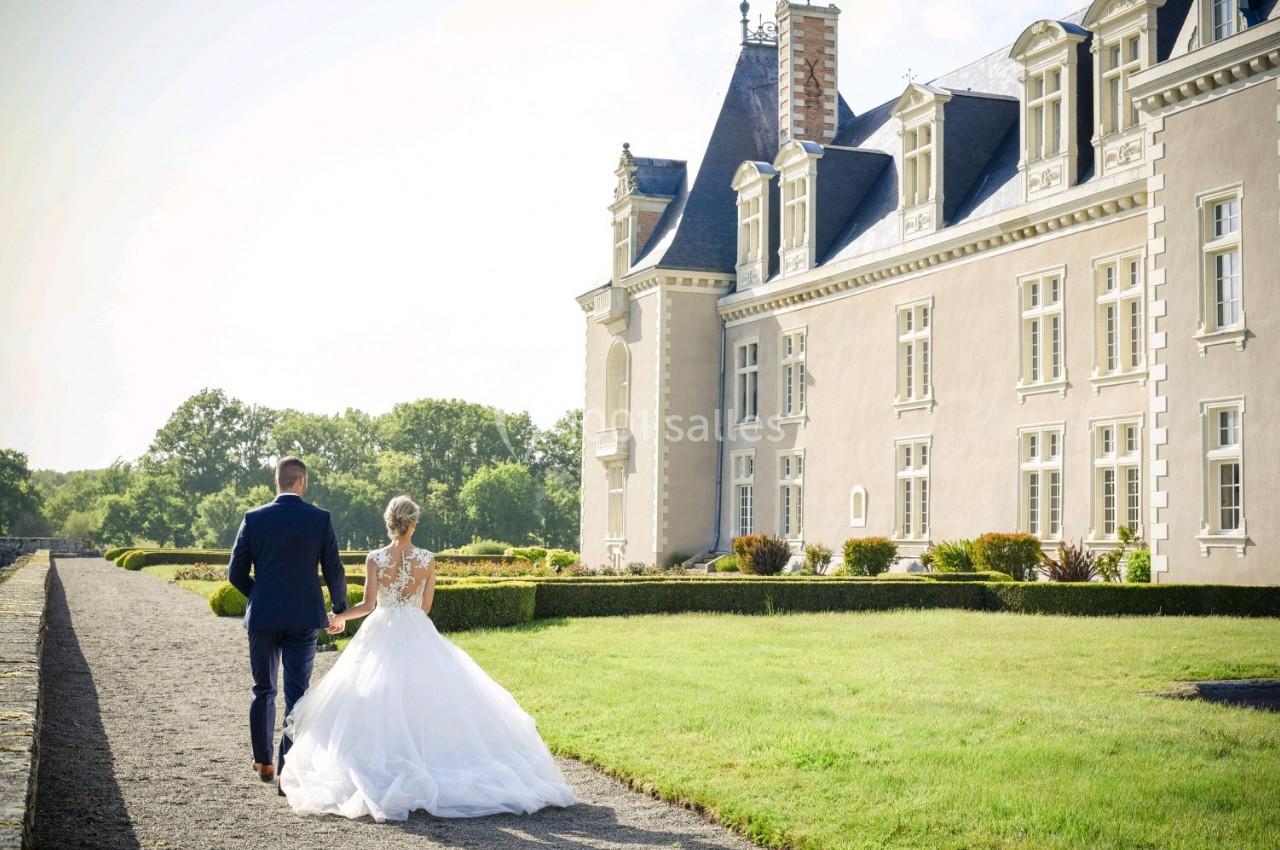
(452, 440)
(218, 515)
(560, 511)
(212, 440)
(346, 443)
(501, 503)
(20, 501)
(153, 509)
(355, 505)
(559, 450)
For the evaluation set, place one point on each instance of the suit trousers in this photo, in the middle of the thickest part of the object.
(296, 648)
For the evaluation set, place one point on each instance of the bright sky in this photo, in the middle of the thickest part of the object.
(320, 204)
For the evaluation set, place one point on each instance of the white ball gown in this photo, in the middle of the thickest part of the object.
(405, 720)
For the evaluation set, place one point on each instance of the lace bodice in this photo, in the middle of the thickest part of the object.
(396, 593)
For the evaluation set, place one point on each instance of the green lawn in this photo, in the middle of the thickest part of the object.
(166, 572)
(938, 729)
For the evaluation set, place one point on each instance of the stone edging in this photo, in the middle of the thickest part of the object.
(23, 594)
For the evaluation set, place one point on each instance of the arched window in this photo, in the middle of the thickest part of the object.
(617, 398)
(858, 507)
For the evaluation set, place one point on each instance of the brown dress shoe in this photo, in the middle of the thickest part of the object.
(266, 772)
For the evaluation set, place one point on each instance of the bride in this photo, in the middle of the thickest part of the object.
(405, 720)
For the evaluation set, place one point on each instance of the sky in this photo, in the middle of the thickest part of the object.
(320, 205)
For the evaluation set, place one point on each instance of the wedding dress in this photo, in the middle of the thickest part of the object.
(405, 720)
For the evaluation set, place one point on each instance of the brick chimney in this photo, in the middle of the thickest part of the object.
(807, 94)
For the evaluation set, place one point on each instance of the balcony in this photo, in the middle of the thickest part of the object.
(612, 444)
(611, 309)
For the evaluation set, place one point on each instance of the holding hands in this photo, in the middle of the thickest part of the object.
(337, 622)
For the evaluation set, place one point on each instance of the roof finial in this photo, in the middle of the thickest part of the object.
(745, 7)
(766, 32)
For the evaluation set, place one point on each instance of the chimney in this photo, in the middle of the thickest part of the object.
(807, 94)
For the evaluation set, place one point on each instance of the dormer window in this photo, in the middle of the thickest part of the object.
(795, 212)
(621, 247)
(1123, 45)
(797, 165)
(1044, 115)
(753, 183)
(1221, 20)
(1051, 53)
(1121, 60)
(920, 113)
(917, 168)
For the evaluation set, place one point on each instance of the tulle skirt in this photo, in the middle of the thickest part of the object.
(405, 720)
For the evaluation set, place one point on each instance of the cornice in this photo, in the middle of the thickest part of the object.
(1112, 201)
(653, 278)
(1210, 71)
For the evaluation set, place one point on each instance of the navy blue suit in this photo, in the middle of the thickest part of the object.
(284, 541)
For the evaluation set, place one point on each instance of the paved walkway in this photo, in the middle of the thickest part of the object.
(145, 743)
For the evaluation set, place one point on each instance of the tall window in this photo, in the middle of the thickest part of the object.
(1118, 323)
(1117, 476)
(795, 212)
(744, 479)
(615, 481)
(621, 246)
(1042, 331)
(912, 457)
(747, 376)
(1223, 467)
(858, 506)
(1040, 480)
(915, 383)
(617, 392)
(791, 495)
(793, 373)
(917, 164)
(1120, 60)
(1223, 272)
(1044, 114)
(1222, 18)
(750, 244)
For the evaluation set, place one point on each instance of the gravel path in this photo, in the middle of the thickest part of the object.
(145, 743)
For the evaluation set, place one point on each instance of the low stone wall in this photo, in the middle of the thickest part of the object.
(23, 590)
(12, 548)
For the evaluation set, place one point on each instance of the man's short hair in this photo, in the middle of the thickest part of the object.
(288, 471)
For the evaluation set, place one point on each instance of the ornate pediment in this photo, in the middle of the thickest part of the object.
(919, 96)
(1041, 36)
(750, 172)
(1104, 11)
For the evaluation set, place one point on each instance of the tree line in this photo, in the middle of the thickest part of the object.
(476, 471)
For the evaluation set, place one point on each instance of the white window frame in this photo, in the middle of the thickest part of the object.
(911, 491)
(795, 211)
(1041, 499)
(1044, 139)
(743, 464)
(1116, 69)
(622, 253)
(1039, 308)
(791, 496)
(616, 533)
(1119, 320)
(1214, 27)
(1216, 455)
(858, 506)
(618, 387)
(746, 382)
(913, 326)
(919, 186)
(792, 374)
(1116, 455)
(1212, 246)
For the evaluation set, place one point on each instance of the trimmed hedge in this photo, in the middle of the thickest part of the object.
(456, 606)
(990, 575)
(136, 559)
(113, 552)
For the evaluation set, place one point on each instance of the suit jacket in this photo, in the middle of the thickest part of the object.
(284, 540)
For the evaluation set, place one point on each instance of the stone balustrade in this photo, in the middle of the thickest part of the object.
(23, 591)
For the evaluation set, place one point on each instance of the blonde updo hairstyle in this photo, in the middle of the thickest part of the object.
(401, 513)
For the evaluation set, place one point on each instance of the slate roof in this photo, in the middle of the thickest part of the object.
(858, 177)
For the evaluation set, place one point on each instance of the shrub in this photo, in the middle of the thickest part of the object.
(1073, 564)
(113, 552)
(479, 566)
(561, 558)
(453, 557)
(951, 556)
(136, 559)
(817, 559)
(226, 601)
(528, 554)
(675, 559)
(768, 557)
(640, 568)
(1108, 563)
(200, 572)
(1017, 555)
(727, 564)
(485, 547)
(984, 576)
(482, 606)
(1138, 568)
(869, 556)
(743, 547)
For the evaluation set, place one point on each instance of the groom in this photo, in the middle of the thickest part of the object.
(284, 541)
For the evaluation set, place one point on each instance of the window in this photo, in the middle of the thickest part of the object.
(917, 164)
(1222, 19)
(744, 477)
(615, 482)
(795, 212)
(1043, 363)
(793, 373)
(617, 393)
(1120, 59)
(749, 231)
(912, 459)
(1040, 480)
(621, 246)
(915, 383)
(791, 495)
(858, 507)
(1120, 353)
(1222, 318)
(747, 375)
(1044, 114)
(1117, 477)
(1223, 519)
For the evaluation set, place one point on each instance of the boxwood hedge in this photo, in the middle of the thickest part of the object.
(456, 607)
(136, 559)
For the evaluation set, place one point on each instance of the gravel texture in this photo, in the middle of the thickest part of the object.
(145, 743)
